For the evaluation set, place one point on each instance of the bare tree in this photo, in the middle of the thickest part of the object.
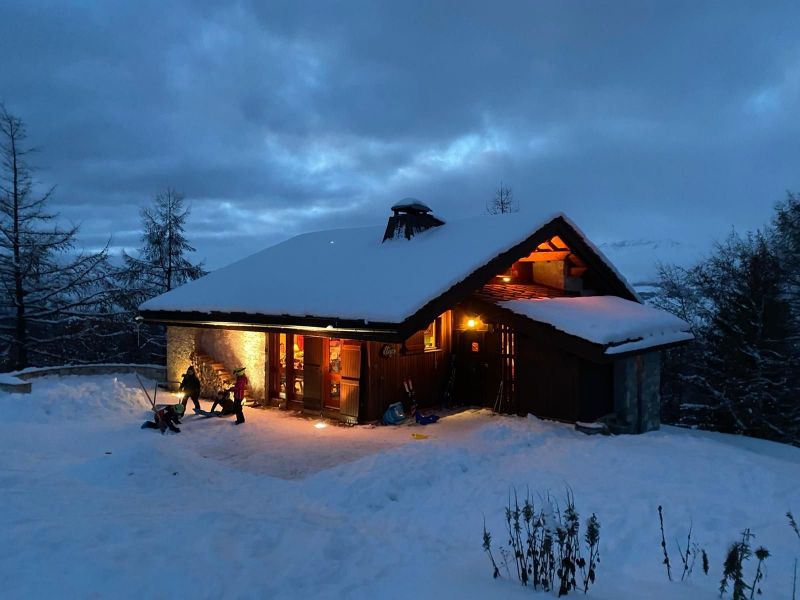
(503, 201)
(46, 284)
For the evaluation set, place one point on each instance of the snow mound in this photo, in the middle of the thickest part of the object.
(93, 507)
(77, 397)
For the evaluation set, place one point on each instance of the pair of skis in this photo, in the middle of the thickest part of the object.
(155, 393)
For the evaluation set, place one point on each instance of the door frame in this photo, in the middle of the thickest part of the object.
(291, 400)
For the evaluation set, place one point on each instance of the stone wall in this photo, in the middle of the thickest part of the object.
(650, 386)
(238, 349)
(181, 342)
(637, 399)
(154, 372)
(20, 383)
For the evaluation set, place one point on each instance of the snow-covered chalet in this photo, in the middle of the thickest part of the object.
(516, 312)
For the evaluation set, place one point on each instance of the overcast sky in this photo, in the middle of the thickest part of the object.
(670, 120)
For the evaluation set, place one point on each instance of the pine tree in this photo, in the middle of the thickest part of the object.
(161, 265)
(786, 225)
(52, 297)
(744, 363)
(162, 262)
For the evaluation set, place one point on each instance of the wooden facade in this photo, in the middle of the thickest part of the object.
(496, 366)
(363, 379)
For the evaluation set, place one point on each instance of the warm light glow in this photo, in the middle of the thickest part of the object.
(506, 279)
(320, 424)
(471, 323)
(180, 395)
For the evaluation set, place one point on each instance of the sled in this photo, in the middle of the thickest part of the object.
(420, 436)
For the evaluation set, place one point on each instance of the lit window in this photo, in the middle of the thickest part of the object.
(430, 336)
(426, 339)
(433, 335)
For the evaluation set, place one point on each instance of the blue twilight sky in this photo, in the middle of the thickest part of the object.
(669, 121)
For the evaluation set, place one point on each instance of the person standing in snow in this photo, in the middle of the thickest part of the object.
(166, 416)
(239, 389)
(190, 386)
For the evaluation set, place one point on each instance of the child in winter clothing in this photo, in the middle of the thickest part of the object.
(166, 416)
(239, 389)
(224, 400)
(190, 386)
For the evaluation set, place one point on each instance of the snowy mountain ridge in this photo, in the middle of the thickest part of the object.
(638, 259)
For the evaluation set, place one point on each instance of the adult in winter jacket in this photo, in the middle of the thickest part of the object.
(190, 386)
(166, 416)
(239, 389)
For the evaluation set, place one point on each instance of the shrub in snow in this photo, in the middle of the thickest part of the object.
(793, 524)
(687, 555)
(544, 545)
(796, 529)
(664, 544)
(487, 547)
(733, 568)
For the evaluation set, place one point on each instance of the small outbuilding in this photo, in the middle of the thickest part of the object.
(517, 312)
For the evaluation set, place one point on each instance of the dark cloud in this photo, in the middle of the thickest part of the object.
(639, 119)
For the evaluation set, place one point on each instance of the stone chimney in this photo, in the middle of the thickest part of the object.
(410, 218)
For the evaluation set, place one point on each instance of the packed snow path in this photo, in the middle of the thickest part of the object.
(92, 506)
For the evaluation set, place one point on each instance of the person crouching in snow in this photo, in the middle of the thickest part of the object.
(223, 400)
(166, 416)
(239, 388)
(190, 386)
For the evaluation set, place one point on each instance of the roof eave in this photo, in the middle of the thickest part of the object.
(646, 349)
(310, 325)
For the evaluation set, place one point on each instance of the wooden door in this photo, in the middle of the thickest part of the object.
(313, 374)
(274, 370)
(333, 374)
(500, 368)
(471, 368)
(492, 367)
(349, 384)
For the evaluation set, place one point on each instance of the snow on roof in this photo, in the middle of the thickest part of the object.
(8, 379)
(621, 325)
(350, 274)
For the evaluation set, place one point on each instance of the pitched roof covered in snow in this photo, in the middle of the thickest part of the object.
(619, 325)
(350, 275)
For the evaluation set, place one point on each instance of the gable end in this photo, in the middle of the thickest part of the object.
(610, 280)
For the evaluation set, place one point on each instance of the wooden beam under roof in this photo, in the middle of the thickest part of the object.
(540, 256)
(553, 248)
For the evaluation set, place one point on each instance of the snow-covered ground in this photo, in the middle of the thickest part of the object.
(94, 507)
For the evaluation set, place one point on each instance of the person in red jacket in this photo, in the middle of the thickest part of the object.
(239, 388)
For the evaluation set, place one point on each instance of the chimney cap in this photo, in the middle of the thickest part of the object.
(411, 205)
